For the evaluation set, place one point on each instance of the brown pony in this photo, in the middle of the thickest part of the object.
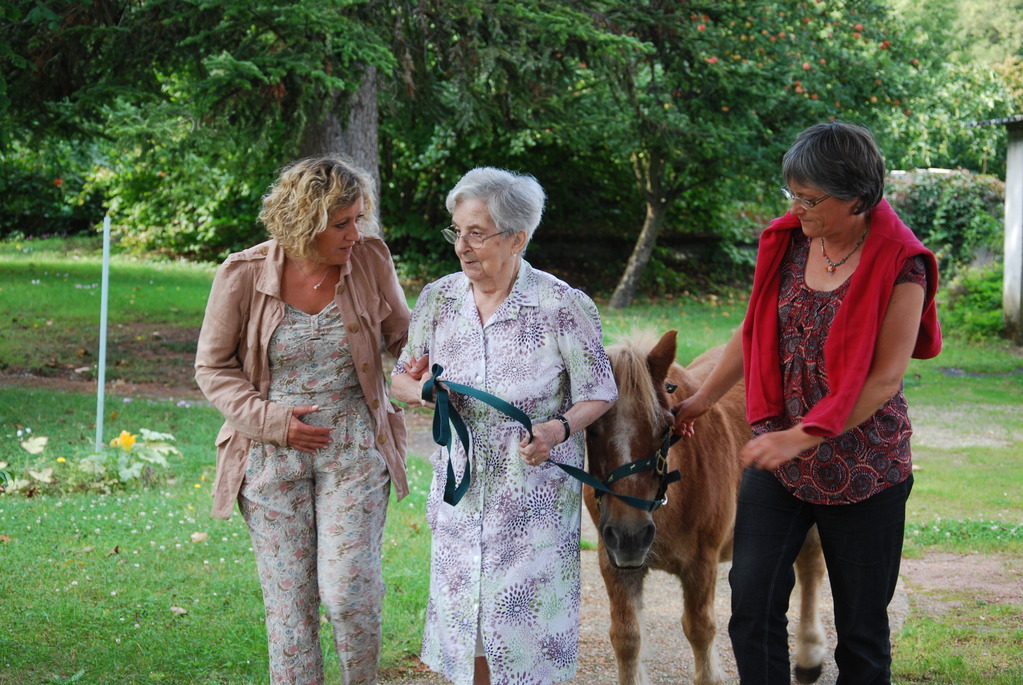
(692, 532)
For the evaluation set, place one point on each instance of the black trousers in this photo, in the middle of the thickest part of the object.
(862, 545)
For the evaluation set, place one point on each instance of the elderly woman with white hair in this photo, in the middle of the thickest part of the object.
(504, 588)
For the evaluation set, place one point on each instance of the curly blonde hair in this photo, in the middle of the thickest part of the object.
(306, 192)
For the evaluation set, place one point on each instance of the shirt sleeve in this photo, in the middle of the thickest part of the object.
(394, 329)
(914, 270)
(218, 365)
(420, 329)
(581, 343)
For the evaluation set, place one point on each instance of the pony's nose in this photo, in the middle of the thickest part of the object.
(629, 544)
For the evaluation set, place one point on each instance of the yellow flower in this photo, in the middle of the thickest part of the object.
(61, 460)
(125, 440)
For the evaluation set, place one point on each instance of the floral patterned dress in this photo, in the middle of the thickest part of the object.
(317, 521)
(505, 561)
(864, 460)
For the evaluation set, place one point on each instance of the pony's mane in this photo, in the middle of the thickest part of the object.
(629, 362)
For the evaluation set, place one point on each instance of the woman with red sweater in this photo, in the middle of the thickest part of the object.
(843, 297)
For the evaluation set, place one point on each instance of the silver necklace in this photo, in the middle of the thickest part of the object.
(309, 280)
(834, 265)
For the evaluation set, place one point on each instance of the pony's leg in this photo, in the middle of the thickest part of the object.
(699, 586)
(625, 592)
(810, 648)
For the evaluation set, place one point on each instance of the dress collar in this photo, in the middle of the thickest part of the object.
(524, 293)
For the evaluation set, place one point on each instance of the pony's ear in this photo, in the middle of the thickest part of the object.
(661, 357)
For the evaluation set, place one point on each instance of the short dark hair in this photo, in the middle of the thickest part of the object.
(839, 158)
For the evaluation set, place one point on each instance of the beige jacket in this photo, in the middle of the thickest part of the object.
(233, 370)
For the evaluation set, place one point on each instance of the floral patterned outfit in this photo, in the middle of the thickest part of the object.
(317, 520)
(864, 460)
(505, 560)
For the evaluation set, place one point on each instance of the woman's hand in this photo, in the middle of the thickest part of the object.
(725, 374)
(771, 450)
(686, 412)
(550, 433)
(417, 367)
(304, 437)
(408, 387)
(545, 436)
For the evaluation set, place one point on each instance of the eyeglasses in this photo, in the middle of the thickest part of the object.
(809, 204)
(473, 240)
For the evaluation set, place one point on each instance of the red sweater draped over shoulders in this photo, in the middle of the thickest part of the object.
(849, 348)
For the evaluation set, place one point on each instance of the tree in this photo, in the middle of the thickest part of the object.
(957, 88)
(990, 31)
(692, 101)
(234, 64)
(227, 90)
(719, 90)
(480, 83)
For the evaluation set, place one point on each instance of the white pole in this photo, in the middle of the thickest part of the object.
(101, 380)
(1012, 262)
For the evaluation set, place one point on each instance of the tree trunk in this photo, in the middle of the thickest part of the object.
(640, 257)
(649, 169)
(357, 139)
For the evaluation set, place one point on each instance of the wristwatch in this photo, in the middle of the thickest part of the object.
(564, 422)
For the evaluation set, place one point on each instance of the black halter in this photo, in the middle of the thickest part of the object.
(658, 462)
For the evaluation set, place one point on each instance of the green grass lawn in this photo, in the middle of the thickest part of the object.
(50, 298)
(116, 588)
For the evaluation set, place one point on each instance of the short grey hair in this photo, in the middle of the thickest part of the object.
(515, 201)
(841, 159)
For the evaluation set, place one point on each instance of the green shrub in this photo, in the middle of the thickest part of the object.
(957, 214)
(43, 190)
(190, 209)
(973, 303)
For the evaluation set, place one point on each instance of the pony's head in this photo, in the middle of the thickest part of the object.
(632, 430)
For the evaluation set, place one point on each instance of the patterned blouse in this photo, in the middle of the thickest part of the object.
(864, 460)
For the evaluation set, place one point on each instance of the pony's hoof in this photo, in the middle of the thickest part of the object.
(808, 675)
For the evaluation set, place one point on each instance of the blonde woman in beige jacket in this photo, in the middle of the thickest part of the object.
(290, 353)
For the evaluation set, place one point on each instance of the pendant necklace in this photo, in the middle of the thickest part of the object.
(322, 278)
(834, 265)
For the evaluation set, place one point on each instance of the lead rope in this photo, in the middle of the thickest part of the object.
(445, 416)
